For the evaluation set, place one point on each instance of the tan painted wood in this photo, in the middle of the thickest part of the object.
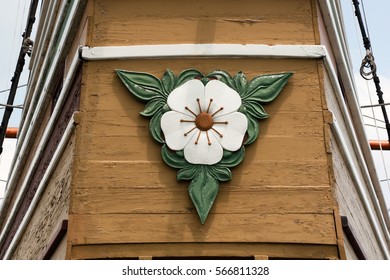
(136, 228)
(107, 91)
(157, 174)
(339, 235)
(261, 257)
(272, 250)
(114, 123)
(123, 193)
(149, 22)
(231, 200)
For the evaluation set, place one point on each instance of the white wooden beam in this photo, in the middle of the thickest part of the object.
(201, 50)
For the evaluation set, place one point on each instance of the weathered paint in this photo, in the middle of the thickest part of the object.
(50, 213)
(280, 193)
(345, 187)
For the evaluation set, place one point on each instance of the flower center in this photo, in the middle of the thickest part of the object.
(204, 121)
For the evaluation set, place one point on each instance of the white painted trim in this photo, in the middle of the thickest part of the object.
(340, 138)
(44, 23)
(42, 187)
(31, 125)
(201, 50)
(13, 179)
(279, 51)
(42, 34)
(32, 88)
(32, 112)
(355, 125)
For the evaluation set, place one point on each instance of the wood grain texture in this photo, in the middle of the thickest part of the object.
(250, 21)
(156, 174)
(231, 200)
(51, 211)
(126, 202)
(161, 228)
(346, 192)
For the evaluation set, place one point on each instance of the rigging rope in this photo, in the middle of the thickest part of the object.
(368, 62)
(369, 58)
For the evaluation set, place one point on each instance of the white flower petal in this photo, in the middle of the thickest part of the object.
(233, 132)
(223, 96)
(203, 153)
(174, 130)
(186, 95)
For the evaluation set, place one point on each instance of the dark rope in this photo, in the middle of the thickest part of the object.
(25, 49)
(369, 63)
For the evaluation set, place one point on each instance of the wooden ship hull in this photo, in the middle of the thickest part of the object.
(89, 181)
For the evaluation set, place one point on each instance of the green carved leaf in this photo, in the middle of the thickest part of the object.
(255, 110)
(220, 173)
(187, 75)
(203, 190)
(155, 127)
(231, 159)
(153, 106)
(142, 85)
(173, 159)
(188, 173)
(223, 77)
(204, 179)
(253, 130)
(265, 88)
(241, 83)
(168, 81)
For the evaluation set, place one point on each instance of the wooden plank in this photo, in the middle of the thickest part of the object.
(156, 174)
(301, 94)
(261, 257)
(117, 123)
(122, 200)
(152, 228)
(351, 206)
(51, 211)
(217, 250)
(147, 22)
(288, 148)
(266, 148)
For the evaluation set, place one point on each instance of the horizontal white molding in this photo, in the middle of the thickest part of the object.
(201, 50)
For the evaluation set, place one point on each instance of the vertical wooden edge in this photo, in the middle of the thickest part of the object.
(321, 83)
(56, 240)
(68, 255)
(316, 29)
(90, 10)
(328, 120)
(339, 234)
(69, 245)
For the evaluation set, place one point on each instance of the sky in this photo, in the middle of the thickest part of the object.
(13, 21)
(13, 16)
